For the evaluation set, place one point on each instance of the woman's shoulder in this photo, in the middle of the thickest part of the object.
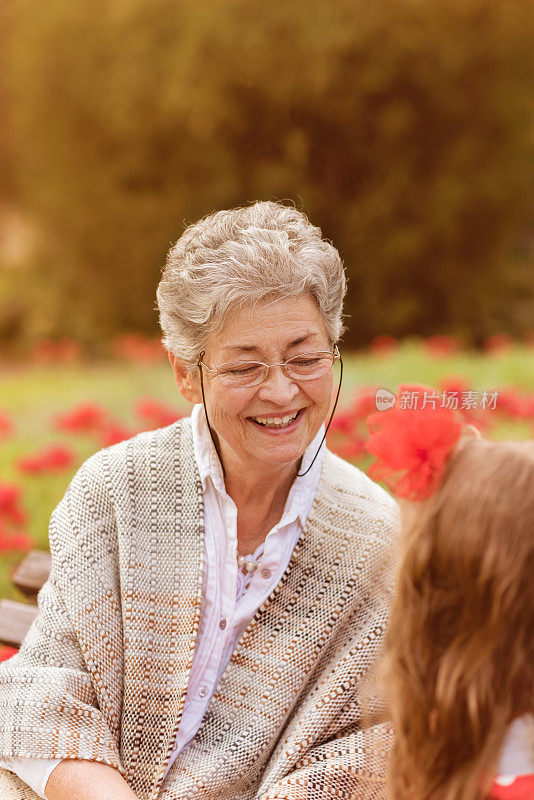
(154, 445)
(343, 480)
(137, 464)
(155, 440)
(152, 469)
(357, 502)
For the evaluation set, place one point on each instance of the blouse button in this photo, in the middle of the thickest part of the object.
(202, 692)
(222, 624)
(266, 573)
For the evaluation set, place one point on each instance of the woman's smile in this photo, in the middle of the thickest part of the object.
(279, 423)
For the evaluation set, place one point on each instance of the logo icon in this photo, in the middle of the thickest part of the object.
(384, 399)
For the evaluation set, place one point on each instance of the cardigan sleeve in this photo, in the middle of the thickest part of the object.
(350, 767)
(56, 701)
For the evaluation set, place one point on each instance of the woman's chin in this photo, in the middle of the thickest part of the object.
(282, 455)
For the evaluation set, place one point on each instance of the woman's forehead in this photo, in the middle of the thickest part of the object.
(282, 324)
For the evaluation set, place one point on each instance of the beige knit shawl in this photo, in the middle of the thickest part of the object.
(102, 673)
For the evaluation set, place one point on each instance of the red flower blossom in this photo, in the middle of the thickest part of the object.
(113, 434)
(11, 517)
(155, 413)
(50, 459)
(454, 383)
(12, 538)
(6, 424)
(411, 446)
(498, 343)
(83, 418)
(342, 423)
(48, 351)
(350, 449)
(364, 403)
(10, 509)
(440, 346)
(6, 652)
(455, 393)
(383, 345)
(346, 420)
(138, 348)
(11, 541)
(516, 405)
(348, 432)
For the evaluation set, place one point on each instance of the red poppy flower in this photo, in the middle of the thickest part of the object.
(113, 434)
(498, 343)
(383, 345)
(10, 509)
(83, 418)
(411, 445)
(342, 423)
(454, 383)
(364, 403)
(138, 348)
(12, 538)
(50, 459)
(11, 542)
(6, 652)
(441, 346)
(474, 406)
(351, 449)
(11, 517)
(6, 424)
(155, 413)
(48, 351)
(515, 404)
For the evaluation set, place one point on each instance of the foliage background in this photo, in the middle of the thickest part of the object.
(405, 128)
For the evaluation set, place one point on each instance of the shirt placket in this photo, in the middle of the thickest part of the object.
(226, 560)
(216, 632)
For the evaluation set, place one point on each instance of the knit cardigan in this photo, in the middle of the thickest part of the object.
(102, 673)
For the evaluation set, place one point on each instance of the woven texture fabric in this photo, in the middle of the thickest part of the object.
(102, 673)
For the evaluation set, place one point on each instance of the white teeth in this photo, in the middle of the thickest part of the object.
(275, 422)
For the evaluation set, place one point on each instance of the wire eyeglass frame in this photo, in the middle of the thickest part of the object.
(334, 355)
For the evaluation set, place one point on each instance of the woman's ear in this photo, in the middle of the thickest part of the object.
(185, 380)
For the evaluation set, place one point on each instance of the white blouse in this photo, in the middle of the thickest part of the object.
(230, 596)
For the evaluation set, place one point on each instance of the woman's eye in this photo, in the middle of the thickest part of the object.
(241, 370)
(305, 362)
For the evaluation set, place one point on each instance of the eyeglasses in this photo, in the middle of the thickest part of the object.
(304, 367)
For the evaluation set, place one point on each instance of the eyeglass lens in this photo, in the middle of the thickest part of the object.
(303, 367)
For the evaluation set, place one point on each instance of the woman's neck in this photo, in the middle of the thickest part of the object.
(267, 491)
(260, 503)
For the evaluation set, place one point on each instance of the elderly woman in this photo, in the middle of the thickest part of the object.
(219, 588)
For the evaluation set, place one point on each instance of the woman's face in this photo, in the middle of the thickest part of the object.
(271, 332)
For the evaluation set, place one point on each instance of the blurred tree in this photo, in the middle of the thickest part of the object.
(404, 127)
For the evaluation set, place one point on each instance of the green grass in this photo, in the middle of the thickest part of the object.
(33, 395)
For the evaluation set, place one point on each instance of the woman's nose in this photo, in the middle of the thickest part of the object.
(277, 387)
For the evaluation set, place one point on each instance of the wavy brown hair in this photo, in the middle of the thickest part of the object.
(460, 652)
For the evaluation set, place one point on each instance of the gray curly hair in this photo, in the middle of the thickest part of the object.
(238, 257)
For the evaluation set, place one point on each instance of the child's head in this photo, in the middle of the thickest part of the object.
(460, 649)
